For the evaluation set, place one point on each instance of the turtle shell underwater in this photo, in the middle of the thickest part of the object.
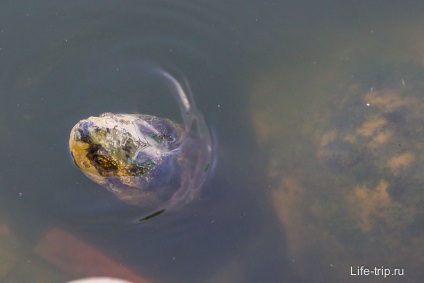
(143, 159)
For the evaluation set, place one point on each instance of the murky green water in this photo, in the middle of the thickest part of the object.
(284, 201)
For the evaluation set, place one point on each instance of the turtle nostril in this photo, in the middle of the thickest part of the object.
(83, 131)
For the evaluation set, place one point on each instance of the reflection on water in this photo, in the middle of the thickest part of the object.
(306, 184)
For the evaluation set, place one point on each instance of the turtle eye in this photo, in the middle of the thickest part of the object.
(161, 137)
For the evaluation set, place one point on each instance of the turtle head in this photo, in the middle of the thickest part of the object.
(125, 153)
(107, 146)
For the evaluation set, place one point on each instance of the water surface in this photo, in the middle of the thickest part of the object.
(266, 75)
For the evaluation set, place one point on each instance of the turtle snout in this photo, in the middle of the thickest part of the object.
(83, 133)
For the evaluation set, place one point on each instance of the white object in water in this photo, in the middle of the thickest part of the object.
(99, 280)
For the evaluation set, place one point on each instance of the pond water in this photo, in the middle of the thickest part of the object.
(315, 112)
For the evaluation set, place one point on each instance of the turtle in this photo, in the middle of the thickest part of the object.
(144, 159)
